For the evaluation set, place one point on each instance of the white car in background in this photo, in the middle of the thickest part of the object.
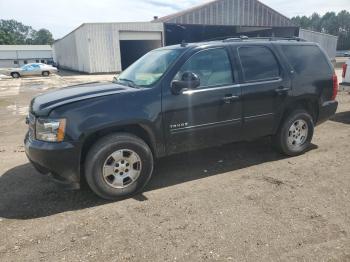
(34, 69)
(346, 73)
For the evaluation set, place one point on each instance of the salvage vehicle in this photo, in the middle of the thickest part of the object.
(33, 69)
(180, 98)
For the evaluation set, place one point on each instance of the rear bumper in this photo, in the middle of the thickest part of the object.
(327, 110)
(61, 161)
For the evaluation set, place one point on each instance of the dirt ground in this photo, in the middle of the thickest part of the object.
(240, 202)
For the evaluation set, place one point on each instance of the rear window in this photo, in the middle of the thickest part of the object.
(258, 63)
(306, 60)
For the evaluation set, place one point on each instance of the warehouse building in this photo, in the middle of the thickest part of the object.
(112, 47)
(18, 55)
(107, 47)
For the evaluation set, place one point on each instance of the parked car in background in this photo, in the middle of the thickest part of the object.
(33, 69)
(181, 98)
(347, 54)
(346, 73)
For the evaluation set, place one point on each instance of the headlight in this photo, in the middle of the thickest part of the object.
(50, 130)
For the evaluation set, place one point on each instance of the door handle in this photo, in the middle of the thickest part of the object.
(282, 89)
(230, 98)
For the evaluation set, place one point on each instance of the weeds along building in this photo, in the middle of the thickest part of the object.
(112, 47)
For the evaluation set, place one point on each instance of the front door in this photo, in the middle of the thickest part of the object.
(208, 115)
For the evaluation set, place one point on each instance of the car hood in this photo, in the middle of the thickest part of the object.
(43, 104)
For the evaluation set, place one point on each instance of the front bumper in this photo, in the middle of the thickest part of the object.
(327, 110)
(59, 160)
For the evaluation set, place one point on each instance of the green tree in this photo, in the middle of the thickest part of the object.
(42, 37)
(13, 32)
(330, 23)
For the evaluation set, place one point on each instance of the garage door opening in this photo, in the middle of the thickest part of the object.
(131, 50)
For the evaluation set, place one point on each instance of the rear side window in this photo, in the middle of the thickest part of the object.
(258, 63)
(306, 60)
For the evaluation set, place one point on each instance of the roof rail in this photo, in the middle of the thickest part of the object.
(234, 39)
(243, 38)
(272, 38)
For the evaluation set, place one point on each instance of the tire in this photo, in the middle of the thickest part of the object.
(120, 155)
(15, 75)
(295, 134)
(45, 73)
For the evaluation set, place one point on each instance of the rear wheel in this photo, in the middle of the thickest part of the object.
(118, 166)
(45, 73)
(15, 75)
(295, 134)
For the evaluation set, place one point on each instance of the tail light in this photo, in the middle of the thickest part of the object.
(345, 67)
(335, 86)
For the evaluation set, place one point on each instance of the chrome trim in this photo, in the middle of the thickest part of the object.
(205, 89)
(262, 82)
(194, 91)
(256, 116)
(204, 125)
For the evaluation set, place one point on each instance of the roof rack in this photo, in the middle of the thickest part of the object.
(273, 38)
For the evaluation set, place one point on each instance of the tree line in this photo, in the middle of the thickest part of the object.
(13, 32)
(330, 23)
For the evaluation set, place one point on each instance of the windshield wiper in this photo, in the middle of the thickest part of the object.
(130, 82)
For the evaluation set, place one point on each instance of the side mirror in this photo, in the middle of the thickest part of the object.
(188, 80)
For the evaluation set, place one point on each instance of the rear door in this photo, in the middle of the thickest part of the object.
(265, 86)
(208, 115)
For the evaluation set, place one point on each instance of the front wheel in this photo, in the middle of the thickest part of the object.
(45, 73)
(15, 75)
(295, 134)
(118, 166)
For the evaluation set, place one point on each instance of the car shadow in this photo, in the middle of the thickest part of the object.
(25, 194)
(343, 117)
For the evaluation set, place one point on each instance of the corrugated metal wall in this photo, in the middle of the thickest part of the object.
(327, 42)
(230, 12)
(95, 48)
(66, 52)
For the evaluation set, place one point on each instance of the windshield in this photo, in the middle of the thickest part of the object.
(149, 68)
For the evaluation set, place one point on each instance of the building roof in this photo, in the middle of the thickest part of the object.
(230, 12)
(25, 48)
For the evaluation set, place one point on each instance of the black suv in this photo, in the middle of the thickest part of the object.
(181, 98)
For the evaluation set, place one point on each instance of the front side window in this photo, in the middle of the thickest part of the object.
(212, 66)
(258, 63)
(149, 68)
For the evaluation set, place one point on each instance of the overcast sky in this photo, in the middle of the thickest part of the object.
(62, 16)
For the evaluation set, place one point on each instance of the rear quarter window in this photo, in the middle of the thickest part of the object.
(307, 60)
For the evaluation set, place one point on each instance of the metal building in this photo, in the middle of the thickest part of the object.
(327, 42)
(112, 47)
(223, 18)
(18, 55)
(107, 47)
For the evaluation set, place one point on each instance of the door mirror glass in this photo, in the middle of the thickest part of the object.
(188, 80)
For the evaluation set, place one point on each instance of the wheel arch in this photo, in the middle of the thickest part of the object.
(15, 72)
(140, 130)
(310, 104)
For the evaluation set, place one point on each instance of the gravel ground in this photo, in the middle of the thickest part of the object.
(240, 202)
